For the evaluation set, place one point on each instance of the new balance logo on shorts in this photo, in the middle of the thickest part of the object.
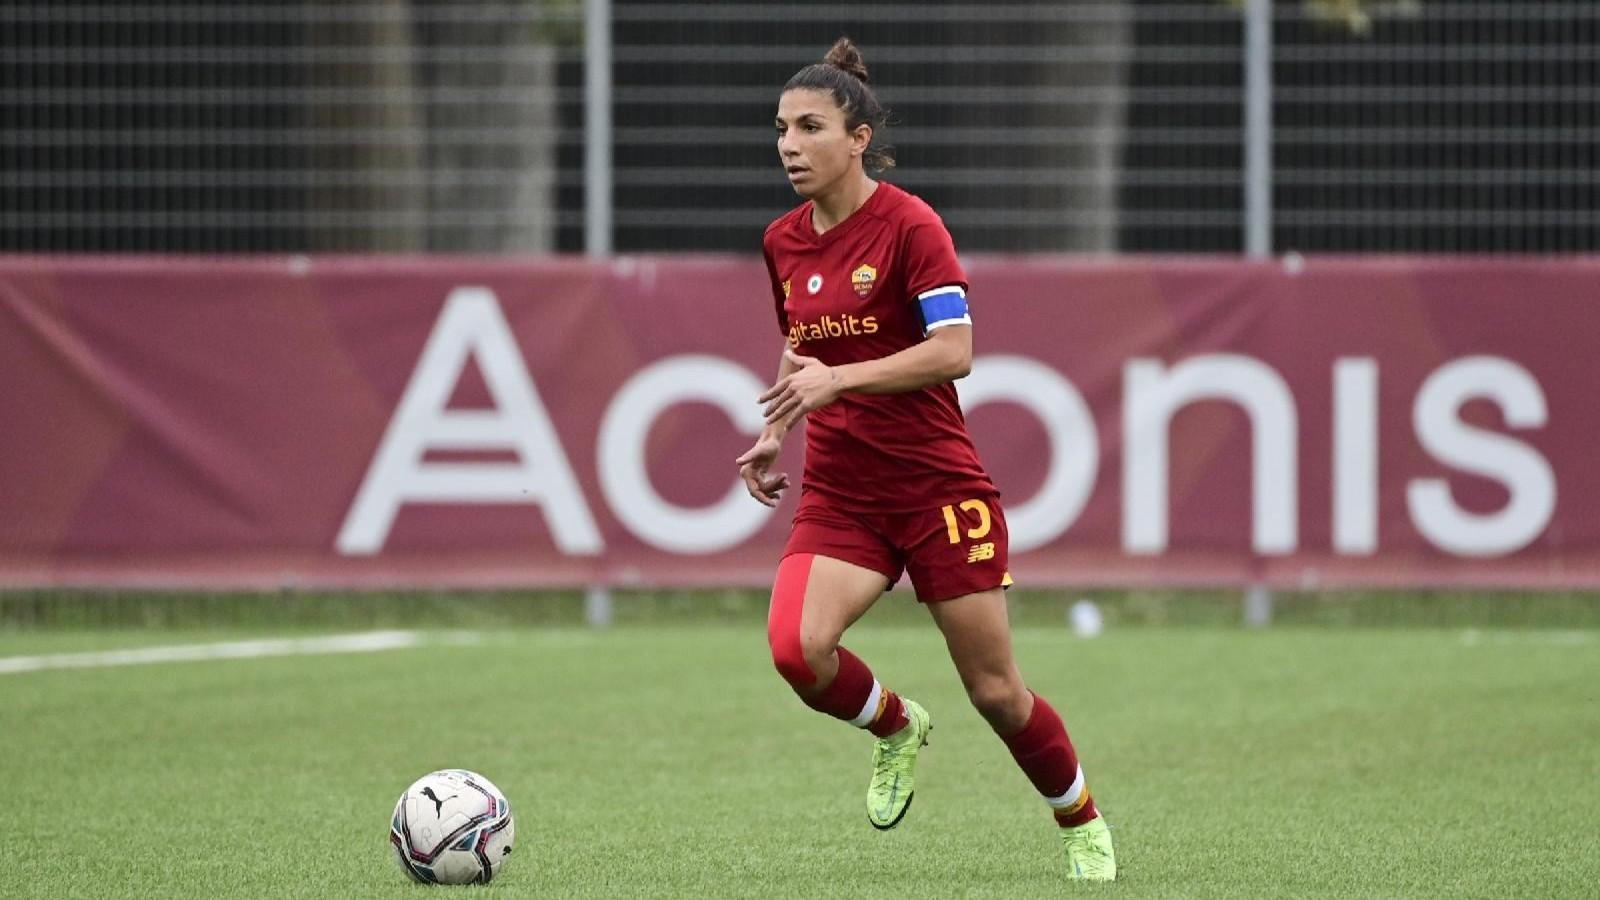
(980, 552)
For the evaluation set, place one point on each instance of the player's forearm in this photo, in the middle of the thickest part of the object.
(780, 429)
(934, 361)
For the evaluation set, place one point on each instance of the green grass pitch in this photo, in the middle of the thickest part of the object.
(670, 761)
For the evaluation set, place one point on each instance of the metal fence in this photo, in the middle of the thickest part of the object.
(1461, 127)
(387, 125)
(433, 125)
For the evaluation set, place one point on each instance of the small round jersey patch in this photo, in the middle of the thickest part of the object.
(814, 284)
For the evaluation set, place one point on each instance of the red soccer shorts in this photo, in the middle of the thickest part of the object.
(950, 551)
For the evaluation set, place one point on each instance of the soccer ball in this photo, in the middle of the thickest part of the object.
(452, 827)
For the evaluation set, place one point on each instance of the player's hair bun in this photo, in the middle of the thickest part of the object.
(845, 55)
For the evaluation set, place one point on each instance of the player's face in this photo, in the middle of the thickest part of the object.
(813, 145)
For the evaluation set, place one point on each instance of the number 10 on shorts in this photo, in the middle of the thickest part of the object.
(952, 523)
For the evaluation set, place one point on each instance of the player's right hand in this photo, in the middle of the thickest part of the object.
(763, 485)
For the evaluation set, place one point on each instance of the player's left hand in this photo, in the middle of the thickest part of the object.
(812, 385)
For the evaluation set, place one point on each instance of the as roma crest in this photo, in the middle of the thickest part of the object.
(862, 280)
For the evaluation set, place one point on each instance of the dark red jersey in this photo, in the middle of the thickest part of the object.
(851, 295)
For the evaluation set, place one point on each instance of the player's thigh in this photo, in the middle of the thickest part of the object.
(835, 566)
(815, 600)
(977, 631)
(837, 594)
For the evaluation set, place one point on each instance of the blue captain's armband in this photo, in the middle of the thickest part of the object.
(943, 306)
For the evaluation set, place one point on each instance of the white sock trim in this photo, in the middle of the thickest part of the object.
(864, 718)
(1072, 795)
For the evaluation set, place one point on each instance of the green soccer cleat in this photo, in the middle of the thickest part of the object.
(1089, 853)
(894, 769)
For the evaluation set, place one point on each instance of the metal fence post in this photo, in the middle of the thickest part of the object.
(597, 175)
(598, 609)
(1258, 128)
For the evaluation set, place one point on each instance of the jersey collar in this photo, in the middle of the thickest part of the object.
(852, 221)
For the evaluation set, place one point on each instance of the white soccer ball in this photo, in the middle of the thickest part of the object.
(452, 827)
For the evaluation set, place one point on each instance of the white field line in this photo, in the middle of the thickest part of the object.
(365, 642)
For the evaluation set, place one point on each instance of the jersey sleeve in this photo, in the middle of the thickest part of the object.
(777, 291)
(935, 280)
(930, 259)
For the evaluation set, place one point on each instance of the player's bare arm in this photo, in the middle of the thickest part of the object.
(946, 355)
(765, 486)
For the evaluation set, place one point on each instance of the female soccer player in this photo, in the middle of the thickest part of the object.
(873, 304)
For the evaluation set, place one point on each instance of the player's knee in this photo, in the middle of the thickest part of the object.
(790, 661)
(998, 699)
(798, 659)
(788, 652)
(795, 659)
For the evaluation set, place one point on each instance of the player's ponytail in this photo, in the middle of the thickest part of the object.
(843, 73)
